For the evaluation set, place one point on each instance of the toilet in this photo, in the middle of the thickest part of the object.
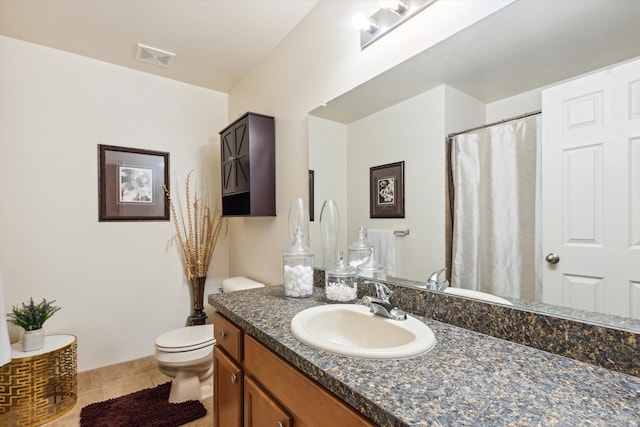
(186, 354)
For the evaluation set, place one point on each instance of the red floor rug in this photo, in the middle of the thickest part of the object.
(144, 408)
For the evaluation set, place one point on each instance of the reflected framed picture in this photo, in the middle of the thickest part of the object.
(386, 185)
(312, 190)
(131, 184)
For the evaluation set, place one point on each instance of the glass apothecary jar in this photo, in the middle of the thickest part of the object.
(298, 267)
(359, 249)
(371, 268)
(340, 283)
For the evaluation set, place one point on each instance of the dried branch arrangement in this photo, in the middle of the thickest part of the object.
(198, 229)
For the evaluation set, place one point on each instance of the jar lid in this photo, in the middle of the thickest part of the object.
(371, 263)
(341, 268)
(298, 246)
(361, 243)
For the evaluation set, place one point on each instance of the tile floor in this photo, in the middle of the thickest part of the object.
(117, 380)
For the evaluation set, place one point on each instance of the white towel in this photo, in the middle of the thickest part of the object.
(384, 244)
(5, 344)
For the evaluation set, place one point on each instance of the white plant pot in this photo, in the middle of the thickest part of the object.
(33, 340)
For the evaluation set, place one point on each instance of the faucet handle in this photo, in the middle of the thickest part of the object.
(382, 291)
(435, 284)
(434, 276)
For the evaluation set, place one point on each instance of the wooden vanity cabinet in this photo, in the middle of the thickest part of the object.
(261, 410)
(247, 154)
(227, 389)
(273, 392)
(228, 374)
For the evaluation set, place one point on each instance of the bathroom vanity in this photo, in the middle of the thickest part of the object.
(468, 379)
(254, 386)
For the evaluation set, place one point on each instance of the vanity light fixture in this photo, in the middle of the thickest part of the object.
(391, 15)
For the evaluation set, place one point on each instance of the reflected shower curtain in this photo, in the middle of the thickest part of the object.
(496, 184)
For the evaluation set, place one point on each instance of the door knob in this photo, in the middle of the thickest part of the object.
(552, 258)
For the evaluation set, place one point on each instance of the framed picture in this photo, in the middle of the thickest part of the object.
(130, 184)
(386, 185)
(311, 195)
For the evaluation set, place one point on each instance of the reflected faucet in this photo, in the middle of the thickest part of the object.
(381, 305)
(434, 284)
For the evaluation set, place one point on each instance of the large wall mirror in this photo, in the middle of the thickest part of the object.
(493, 70)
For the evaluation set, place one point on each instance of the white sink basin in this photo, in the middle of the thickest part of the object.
(351, 330)
(482, 296)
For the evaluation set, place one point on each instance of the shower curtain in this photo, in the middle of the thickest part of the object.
(5, 344)
(495, 177)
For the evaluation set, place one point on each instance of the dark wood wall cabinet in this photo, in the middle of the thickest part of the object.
(248, 155)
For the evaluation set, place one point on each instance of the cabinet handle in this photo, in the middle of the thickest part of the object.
(231, 158)
(222, 335)
(279, 424)
(234, 378)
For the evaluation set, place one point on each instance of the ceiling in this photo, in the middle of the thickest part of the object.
(523, 46)
(526, 45)
(216, 42)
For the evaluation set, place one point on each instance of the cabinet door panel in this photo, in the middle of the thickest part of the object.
(227, 156)
(241, 156)
(260, 410)
(308, 402)
(227, 390)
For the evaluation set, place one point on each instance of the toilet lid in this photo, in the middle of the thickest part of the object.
(186, 339)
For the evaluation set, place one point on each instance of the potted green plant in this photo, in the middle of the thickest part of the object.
(31, 318)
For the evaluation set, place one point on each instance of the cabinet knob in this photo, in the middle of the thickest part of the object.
(231, 158)
(234, 378)
(222, 335)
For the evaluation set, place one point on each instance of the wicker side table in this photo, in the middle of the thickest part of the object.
(38, 386)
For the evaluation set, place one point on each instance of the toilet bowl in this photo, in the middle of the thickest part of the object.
(186, 355)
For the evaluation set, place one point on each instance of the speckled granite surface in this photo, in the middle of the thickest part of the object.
(468, 379)
(616, 348)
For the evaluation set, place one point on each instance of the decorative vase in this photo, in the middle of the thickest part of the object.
(329, 229)
(33, 340)
(198, 317)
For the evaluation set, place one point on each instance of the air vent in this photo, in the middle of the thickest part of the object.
(154, 56)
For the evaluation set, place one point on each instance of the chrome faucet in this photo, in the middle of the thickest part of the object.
(381, 305)
(434, 284)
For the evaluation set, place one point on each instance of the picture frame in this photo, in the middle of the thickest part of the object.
(312, 195)
(131, 184)
(386, 188)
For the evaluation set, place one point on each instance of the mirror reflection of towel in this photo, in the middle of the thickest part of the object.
(384, 243)
(5, 344)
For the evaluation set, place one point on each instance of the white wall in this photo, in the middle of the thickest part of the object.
(319, 60)
(117, 282)
(328, 160)
(522, 103)
(411, 131)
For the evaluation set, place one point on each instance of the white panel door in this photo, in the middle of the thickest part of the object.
(591, 192)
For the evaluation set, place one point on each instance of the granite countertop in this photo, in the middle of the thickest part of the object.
(468, 379)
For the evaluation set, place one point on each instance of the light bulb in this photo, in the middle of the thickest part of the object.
(362, 23)
(396, 6)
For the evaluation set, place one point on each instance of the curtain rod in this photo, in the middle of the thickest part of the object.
(521, 116)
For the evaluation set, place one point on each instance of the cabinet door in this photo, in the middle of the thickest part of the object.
(260, 409)
(235, 158)
(227, 391)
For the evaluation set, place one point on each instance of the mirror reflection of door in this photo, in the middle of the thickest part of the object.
(591, 192)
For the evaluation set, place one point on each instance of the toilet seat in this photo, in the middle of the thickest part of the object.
(186, 339)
